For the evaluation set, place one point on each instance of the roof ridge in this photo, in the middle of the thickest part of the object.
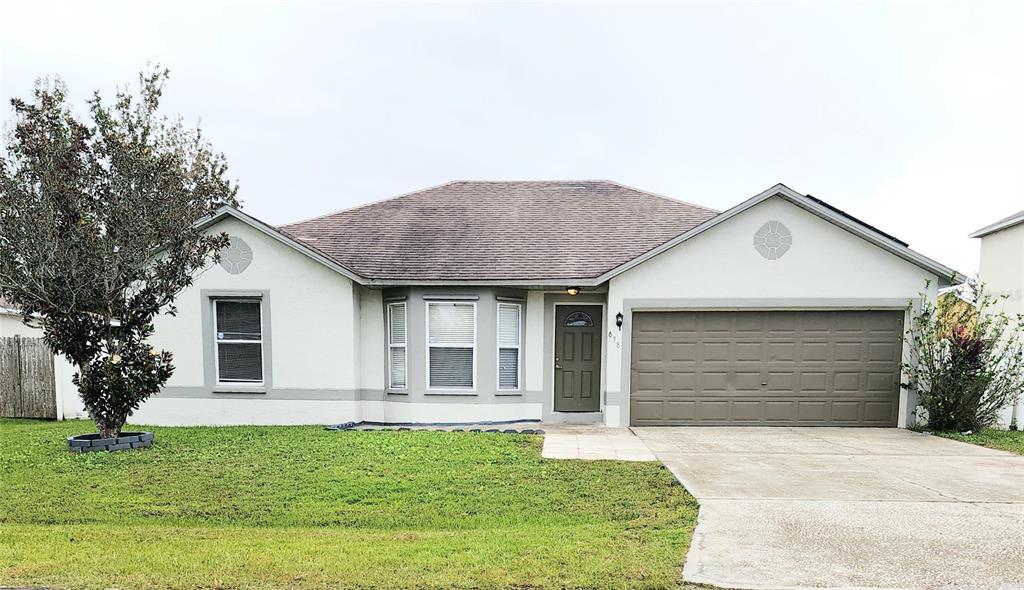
(371, 203)
(659, 196)
(464, 181)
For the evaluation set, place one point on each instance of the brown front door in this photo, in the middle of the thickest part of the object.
(577, 358)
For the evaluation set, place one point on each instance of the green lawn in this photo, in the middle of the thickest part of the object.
(299, 507)
(1007, 440)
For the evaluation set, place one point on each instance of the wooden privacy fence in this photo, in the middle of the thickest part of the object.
(27, 388)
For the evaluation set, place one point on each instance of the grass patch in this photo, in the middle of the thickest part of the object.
(299, 507)
(993, 438)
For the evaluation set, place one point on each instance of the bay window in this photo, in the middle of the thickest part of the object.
(451, 345)
(509, 330)
(397, 359)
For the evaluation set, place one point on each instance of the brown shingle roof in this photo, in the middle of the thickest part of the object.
(468, 230)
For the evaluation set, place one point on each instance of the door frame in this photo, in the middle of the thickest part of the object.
(604, 351)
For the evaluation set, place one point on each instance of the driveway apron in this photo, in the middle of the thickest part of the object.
(787, 508)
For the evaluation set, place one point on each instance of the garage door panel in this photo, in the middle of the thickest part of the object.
(811, 410)
(845, 411)
(766, 367)
(748, 352)
(780, 381)
(683, 352)
(680, 410)
(779, 411)
(650, 351)
(881, 411)
(713, 410)
(814, 352)
(749, 410)
(712, 382)
(779, 352)
(848, 352)
(747, 383)
(815, 383)
(712, 352)
(883, 352)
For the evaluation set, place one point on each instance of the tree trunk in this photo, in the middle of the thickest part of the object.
(110, 430)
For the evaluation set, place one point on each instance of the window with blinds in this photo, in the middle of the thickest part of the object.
(451, 345)
(509, 330)
(397, 360)
(238, 334)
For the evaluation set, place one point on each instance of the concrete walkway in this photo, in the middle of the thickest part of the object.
(593, 442)
(819, 508)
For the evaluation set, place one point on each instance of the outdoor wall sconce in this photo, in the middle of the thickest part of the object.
(573, 291)
(618, 320)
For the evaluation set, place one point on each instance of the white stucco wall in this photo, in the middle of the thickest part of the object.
(1001, 269)
(826, 264)
(312, 317)
(11, 325)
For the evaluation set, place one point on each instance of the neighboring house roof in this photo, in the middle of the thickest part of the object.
(500, 231)
(1004, 223)
(527, 233)
(8, 308)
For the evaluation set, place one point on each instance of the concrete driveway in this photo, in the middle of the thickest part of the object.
(817, 508)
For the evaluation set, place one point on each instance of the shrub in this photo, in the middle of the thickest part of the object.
(965, 362)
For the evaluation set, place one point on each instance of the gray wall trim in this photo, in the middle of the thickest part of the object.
(451, 297)
(396, 299)
(302, 394)
(510, 299)
(207, 297)
(520, 397)
(282, 393)
(781, 304)
(724, 304)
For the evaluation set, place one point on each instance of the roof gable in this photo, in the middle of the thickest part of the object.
(274, 233)
(827, 212)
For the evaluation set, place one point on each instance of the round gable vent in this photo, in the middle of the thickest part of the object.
(773, 240)
(236, 257)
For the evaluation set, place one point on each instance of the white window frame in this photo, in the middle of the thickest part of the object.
(404, 346)
(426, 337)
(518, 347)
(217, 342)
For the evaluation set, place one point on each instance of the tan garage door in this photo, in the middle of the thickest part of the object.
(786, 368)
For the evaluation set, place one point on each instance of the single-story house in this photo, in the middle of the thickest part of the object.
(1001, 269)
(580, 301)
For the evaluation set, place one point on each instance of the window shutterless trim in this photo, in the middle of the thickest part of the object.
(472, 346)
(404, 345)
(518, 347)
(217, 342)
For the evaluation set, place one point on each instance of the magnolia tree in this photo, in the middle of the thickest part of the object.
(964, 361)
(98, 235)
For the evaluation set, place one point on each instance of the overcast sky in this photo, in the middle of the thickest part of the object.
(908, 115)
